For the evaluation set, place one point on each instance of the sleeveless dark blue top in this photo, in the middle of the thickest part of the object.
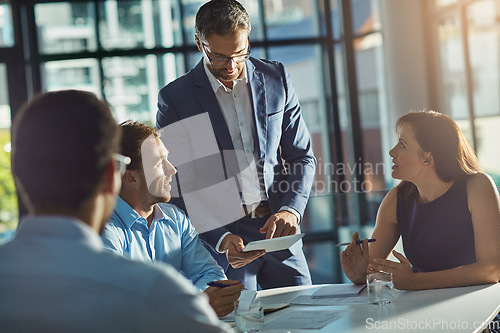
(437, 235)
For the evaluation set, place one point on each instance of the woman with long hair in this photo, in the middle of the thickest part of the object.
(446, 209)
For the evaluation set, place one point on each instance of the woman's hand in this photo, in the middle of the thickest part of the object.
(402, 275)
(354, 260)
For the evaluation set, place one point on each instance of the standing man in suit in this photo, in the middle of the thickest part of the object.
(254, 111)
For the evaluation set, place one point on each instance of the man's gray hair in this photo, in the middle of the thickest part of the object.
(221, 17)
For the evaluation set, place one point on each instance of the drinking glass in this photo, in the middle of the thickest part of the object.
(380, 288)
(249, 319)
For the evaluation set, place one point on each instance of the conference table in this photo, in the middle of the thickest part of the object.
(465, 309)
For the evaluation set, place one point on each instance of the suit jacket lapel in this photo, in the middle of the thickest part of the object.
(258, 93)
(206, 98)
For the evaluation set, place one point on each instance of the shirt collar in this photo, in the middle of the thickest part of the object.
(215, 82)
(59, 226)
(129, 216)
(158, 213)
(126, 213)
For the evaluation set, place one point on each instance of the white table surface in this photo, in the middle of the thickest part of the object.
(439, 310)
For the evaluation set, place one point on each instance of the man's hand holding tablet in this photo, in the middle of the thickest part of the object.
(273, 244)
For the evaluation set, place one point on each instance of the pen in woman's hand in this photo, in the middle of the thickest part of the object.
(357, 242)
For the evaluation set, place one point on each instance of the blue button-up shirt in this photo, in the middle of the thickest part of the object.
(171, 238)
(55, 276)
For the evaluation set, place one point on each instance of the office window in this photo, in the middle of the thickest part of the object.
(131, 87)
(171, 66)
(65, 27)
(335, 19)
(370, 78)
(371, 101)
(303, 62)
(139, 24)
(483, 40)
(365, 16)
(452, 68)
(469, 44)
(6, 29)
(291, 19)
(129, 84)
(123, 25)
(361, 196)
(453, 80)
(484, 54)
(8, 196)
(442, 3)
(82, 74)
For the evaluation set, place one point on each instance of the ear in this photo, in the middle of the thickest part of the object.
(129, 178)
(198, 43)
(428, 159)
(131, 182)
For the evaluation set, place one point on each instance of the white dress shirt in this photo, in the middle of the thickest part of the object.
(236, 106)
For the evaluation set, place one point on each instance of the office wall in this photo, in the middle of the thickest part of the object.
(405, 55)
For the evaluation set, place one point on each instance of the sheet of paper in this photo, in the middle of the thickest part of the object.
(275, 299)
(305, 319)
(337, 300)
(246, 298)
(274, 244)
(268, 308)
(337, 290)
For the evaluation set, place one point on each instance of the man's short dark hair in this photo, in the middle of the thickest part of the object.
(221, 17)
(62, 143)
(133, 135)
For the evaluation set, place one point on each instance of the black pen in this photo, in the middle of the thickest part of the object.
(357, 242)
(217, 284)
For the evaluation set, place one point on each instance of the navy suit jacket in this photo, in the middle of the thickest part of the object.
(284, 144)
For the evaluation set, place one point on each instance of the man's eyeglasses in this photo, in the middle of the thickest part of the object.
(223, 61)
(123, 161)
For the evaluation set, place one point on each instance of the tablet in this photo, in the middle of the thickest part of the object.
(273, 244)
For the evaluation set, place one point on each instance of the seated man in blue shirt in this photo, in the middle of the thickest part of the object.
(55, 275)
(144, 227)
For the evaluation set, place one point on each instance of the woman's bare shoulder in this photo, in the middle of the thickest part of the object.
(480, 182)
(388, 207)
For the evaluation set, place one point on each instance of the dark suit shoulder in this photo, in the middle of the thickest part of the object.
(179, 85)
(258, 62)
(268, 66)
(274, 71)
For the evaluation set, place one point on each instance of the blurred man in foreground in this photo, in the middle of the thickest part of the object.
(55, 274)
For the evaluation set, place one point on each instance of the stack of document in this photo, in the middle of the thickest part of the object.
(304, 320)
(340, 294)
